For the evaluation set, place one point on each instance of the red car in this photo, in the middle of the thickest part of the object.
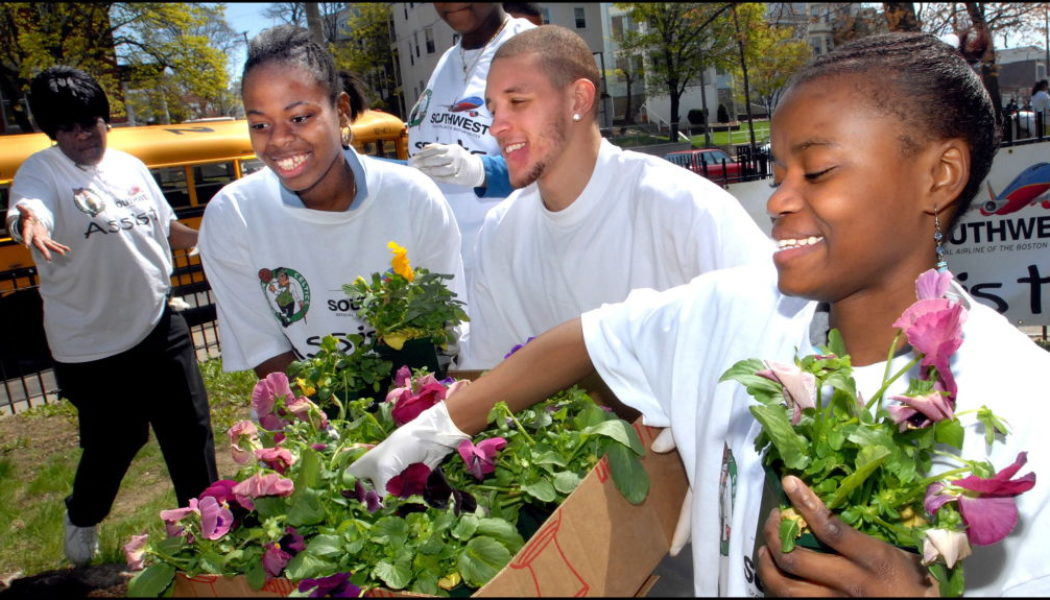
(712, 163)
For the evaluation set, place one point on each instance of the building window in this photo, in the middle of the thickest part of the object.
(581, 19)
(617, 27)
(429, 35)
(404, 8)
(415, 36)
(411, 57)
(546, 13)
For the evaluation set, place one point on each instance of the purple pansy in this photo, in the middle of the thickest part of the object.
(518, 347)
(923, 410)
(278, 459)
(411, 481)
(986, 505)
(274, 559)
(934, 329)
(216, 519)
(333, 586)
(369, 497)
(135, 552)
(481, 458)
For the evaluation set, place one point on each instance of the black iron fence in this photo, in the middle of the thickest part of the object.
(25, 360)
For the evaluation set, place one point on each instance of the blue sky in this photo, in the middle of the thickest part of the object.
(245, 17)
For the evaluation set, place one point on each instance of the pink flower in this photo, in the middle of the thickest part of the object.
(267, 391)
(135, 552)
(216, 519)
(950, 545)
(278, 459)
(307, 411)
(481, 459)
(369, 497)
(409, 408)
(411, 481)
(270, 484)
(986, 505)
(403, 377)
(243, 438)
(933, 406)
(800, 387)
(934, 329)
(275, 559)
(221, 490)
(933, 284)
(173, 516)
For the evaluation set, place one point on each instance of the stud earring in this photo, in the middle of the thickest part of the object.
(576, 117)
(938, 239)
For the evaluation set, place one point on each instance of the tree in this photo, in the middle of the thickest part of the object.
(773, 53)
(296, 13)
(367, 52)
(900, 16)
(680, 39)
(630, 68)
(150, 39)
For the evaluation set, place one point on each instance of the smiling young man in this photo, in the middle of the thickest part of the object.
(102, 234)
(592, 221)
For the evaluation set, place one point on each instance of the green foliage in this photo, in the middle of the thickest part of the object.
(368, 53)
(773, 53)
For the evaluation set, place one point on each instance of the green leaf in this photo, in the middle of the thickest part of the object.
(789, 533)
(305, 565)
(326, 546)
(390, 531)
(628, 473)
(992, 424)
(151, 582)
(566, 481)
(482, 558)
(466, 527)
(620, 431)
(540, 489)
(868, 460)
(950, 432)
(306, 508)
(502, 531)
(836, 345)
(270, 506)
(395, 577)
(255, 575)
(792, 447)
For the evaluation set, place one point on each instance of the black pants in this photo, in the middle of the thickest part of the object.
(117, 399)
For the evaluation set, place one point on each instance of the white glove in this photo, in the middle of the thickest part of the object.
(664, 442)
(450, 163)
(427, 439)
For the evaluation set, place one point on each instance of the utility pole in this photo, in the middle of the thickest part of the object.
(747, 86)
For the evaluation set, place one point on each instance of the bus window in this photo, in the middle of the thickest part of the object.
(3, 210)
(172, 182)
(250, 166)
(209, 179)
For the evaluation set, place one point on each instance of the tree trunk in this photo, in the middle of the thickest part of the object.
(11, 91)
(703, 110)
(989, 70)
(313, 22)
(675, 98)
(747, 87)
(900, 16)
(627, 118)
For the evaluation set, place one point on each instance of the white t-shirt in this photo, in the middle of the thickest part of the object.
(663, 353)
(451, 110)
(278, 268)
(641, 222)
(108, 292)
(1041, 104)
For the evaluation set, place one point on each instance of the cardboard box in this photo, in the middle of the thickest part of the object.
(595, 544)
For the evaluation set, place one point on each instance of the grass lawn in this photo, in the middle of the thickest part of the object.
(731, 138)
(38, 457)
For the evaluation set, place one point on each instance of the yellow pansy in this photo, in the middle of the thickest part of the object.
(400, 262)
(395, 340)
(305, 387)
(450, 581)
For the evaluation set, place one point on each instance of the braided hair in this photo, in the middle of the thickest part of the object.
(927, 85)
(293, 45)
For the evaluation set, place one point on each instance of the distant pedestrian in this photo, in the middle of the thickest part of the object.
(1041, 100)
(122, 357)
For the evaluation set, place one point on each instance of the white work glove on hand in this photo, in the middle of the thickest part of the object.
(427, 439)
(664, 442)
(450, 163)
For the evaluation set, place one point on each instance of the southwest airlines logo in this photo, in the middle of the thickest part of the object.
(467, 104)
(1026, 189)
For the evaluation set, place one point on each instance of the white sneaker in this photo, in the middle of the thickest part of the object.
(81, 543)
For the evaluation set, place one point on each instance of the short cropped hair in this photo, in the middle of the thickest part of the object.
(562, 55)
(63, 96)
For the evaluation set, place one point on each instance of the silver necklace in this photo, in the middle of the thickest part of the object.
(468, 70)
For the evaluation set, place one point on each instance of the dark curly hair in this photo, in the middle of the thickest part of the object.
(929, 86)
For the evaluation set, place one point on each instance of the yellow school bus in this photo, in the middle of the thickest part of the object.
(191, 161)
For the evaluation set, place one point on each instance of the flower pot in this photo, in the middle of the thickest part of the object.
(417, 353)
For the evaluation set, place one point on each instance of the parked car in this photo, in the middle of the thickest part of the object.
(712, 163)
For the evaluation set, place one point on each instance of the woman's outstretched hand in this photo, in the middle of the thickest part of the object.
(863, 565)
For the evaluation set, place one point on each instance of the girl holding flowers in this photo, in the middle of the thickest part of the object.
(880, 147)
(279, 244)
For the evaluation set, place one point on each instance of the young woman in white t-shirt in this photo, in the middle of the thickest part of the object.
(879, 146)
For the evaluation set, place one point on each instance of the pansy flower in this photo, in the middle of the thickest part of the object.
(135, 552)
(216, 519)
(986, 505)
(333, 586)
(921, 411)
(518, 347)
(274, 559)
(270, 484)
(172, 517)
(800, 387)
(950, 545)
(244, 437)
(370, 498)
(277, 458)
(481, 458)
(934, 328)
(399, 264)
(408, 408)
(411, 481)
(265, 394)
